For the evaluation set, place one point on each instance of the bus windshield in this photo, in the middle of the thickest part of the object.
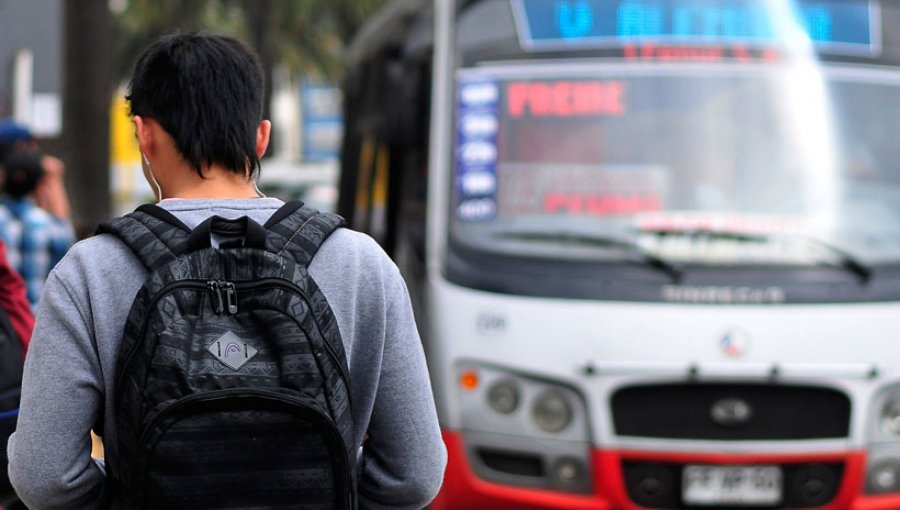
(695, 153)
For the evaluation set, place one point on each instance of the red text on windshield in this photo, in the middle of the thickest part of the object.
(601, 204)
(565, 98)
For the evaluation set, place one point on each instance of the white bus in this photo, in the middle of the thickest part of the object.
(653, 245)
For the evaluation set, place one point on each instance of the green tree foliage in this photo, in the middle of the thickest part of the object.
(306, 36)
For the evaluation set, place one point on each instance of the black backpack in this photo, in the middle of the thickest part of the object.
(11, 362)
(232, 388)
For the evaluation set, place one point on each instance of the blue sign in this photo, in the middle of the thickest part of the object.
(478, 120)
(834, 24)
(323, 125)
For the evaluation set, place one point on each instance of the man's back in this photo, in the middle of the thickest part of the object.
(81, 318)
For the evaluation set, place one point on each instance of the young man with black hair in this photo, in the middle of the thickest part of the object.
(197, 107)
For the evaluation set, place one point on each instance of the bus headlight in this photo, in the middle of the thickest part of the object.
(884, 476)
(568, 471)
(494, 400)
(503, 396)
(883, 462)
(524, 429)
(552, 412)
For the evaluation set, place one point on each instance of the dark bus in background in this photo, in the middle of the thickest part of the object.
(653, 245)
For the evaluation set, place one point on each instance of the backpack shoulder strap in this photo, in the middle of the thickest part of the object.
(155, 235)
(298, 231)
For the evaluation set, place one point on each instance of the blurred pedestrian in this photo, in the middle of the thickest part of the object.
(34, 214)
(51, 192)
(197, 103)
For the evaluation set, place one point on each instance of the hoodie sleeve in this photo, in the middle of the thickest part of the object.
(394, 412)
(50, 464)
(404, 452)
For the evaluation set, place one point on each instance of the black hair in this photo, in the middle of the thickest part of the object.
(23, 171)
(207, 92)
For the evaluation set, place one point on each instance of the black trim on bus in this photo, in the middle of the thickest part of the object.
(774, 412)
(631, 281)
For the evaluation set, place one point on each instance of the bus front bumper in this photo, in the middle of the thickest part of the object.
(463, 489)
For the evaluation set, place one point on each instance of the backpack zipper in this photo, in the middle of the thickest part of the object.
(216, 287)
(263, 394)
(216, 291)
(230, 297)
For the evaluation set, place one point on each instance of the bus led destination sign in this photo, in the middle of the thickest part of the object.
(835, 25)
(565, 98)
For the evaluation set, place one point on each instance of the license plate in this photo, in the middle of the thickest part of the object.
(731, 485)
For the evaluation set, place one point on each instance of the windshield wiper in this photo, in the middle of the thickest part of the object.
(842, 258)
(644, 256)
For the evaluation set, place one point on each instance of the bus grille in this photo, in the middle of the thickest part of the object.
(731, 412)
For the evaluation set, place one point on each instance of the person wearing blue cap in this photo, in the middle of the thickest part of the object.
(34, 213)
(12, 132)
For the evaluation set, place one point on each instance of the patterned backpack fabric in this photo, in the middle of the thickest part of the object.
(10, 390)
(232, 388)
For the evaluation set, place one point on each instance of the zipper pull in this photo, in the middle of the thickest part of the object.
(216, 289)
(231, 297)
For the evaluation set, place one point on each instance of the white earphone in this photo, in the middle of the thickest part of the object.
(153, 177)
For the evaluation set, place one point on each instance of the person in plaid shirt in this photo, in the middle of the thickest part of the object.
(36, 239)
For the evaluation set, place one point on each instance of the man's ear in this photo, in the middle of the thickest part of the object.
(144, 134)
(263, 132)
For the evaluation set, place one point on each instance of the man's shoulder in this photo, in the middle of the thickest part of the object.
(347, 245)
(99, 254)
(351, 263)
(347, 237)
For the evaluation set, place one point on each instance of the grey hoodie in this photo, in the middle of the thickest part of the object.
(71, 364)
